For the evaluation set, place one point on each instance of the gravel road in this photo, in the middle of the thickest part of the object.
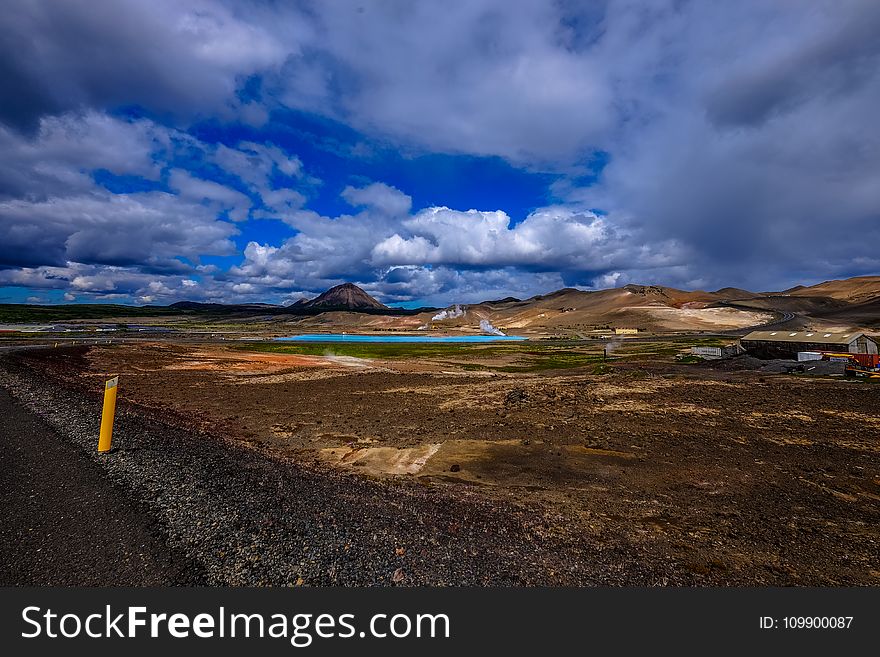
(191, 508)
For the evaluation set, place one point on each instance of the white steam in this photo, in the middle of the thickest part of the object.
(486, 327)
(449, 313)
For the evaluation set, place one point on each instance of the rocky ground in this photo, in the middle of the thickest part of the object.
(241, 517)
(654, 473)
(65, 522)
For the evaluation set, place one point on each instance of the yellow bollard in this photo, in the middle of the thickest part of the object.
(107, 414)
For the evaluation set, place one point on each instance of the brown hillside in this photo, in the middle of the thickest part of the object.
(648, 307)
(852, 290)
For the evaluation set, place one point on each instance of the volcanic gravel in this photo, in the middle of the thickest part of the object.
(48, 535)
(237, 516)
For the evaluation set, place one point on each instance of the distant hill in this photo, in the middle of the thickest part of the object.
(852, 290)
(347, 296)
(647, 307)
(497, 302)
(733, 293)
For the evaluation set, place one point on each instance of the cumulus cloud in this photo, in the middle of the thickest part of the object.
(108, 229)
(463, 77)
(65, 149)
(221, 197)
(553, 238)
(736, 131)
(437, 285)
(54, 212)
(254, 163)
(59, 229)
(467, 255)
(379, 196)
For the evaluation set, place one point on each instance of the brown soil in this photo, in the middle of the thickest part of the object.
(740, 476)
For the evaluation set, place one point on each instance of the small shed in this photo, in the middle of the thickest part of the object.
(716, 352)
(787, 344)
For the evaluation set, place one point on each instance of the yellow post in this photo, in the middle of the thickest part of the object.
(107, 414)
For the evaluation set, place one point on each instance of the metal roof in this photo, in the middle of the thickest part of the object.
(820, 337)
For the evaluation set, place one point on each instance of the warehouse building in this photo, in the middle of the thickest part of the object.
(787, 344)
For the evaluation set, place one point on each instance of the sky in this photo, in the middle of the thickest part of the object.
(153, 151)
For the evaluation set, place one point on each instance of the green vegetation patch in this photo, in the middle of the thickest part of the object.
(373, 349)
(469, 357)
(553, 361)
(522, 357)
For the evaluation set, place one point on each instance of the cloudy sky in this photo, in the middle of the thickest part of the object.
(433, 152)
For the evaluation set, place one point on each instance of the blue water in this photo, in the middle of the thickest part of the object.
(338, 337)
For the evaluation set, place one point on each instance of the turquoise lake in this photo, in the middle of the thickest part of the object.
(339, 337)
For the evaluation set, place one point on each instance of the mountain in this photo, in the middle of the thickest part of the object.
(342, 297)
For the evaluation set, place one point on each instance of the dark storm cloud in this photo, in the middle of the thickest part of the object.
(175, 58)
(840, 59)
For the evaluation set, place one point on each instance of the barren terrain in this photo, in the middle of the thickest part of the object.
(734, 475)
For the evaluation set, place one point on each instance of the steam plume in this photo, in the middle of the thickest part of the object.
(486, 327)
(449, 313)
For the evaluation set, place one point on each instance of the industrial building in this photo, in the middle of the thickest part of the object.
(787, 344)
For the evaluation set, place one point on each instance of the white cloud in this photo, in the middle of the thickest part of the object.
(552, 238)
(65, 231)
(109, 229)
(224, 198)
(60, 157)
(254, 163)
(446, 255)
(380, 197)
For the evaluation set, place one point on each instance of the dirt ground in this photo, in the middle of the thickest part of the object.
(742, 476)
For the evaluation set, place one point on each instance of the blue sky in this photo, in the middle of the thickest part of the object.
(262, 152)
